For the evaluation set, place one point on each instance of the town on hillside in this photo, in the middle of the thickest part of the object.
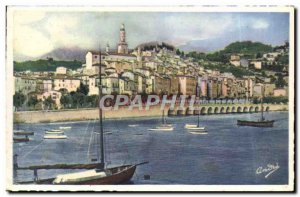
(161, 69)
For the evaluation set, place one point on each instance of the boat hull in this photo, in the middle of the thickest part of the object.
(119, 175)
(266, 123)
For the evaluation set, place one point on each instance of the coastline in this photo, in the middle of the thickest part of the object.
(71, 115)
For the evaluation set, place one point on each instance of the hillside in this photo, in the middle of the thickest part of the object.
(247, 48)
(45, 65)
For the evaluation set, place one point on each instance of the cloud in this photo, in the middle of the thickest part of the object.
(260, 24)
(37, 33)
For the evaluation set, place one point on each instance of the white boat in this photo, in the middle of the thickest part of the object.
(133, 125)
(55, 131)
(190, 126)
(55, 137)
(164, 126)
(65, 127)
(195, 127)
(198, 132)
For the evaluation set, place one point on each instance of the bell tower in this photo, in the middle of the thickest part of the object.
(122, 46)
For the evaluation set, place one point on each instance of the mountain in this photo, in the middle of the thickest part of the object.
(68, 54)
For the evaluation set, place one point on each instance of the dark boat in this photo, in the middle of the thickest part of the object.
(18, 140)
(23, 133)
(95, 173)
(259, 123)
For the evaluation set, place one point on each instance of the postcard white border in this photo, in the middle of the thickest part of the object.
(9, 92)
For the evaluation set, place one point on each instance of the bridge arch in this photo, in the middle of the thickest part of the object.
(189, 111)
(222, 110)
(256, 109)
(171, 112)
(203, 111)
(251, 109)
(228, 110)
(209, 110)
(233, 110)
(197, 112)
(216, 110)
(245, 109)
(180, 112)
(239, 109)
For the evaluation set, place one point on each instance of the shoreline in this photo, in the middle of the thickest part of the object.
(78, 115)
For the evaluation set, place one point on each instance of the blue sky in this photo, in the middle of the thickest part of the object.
(37, 33)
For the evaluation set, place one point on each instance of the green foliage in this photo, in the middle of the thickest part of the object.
(18, 99)
(45, 65)
(248, 47)
(32, 101)
(273, 99)
(280, 82)
(49, 103)
(236, 71)
(66, 101)
(84, 89)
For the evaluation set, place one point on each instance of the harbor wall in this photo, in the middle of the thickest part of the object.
(124, 112)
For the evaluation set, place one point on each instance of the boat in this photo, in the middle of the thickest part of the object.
(198, 132)
(55, 136)
(65, 128)
(164, 126)
(21, 132)
(262, 122)
(93, 173)
(193, 128)
(18, 139)
(55, 131)
(133, 125)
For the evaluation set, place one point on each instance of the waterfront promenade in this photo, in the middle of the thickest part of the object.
(124, 112)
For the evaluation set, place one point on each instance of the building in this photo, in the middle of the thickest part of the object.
(68, 83)
(122, 46)
(280, 92)
(44, 85)
(25, 85)
(55, 96)
(187, 85)
(61, 70)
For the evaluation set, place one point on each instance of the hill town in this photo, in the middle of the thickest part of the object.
(241, 72)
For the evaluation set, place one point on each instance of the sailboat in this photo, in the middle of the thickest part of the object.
(262, 122)
(195, 128)
(164, 126)
(94, 173)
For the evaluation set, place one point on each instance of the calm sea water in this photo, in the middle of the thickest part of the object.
(228, 154)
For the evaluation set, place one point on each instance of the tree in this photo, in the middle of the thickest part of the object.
(32, 101)
(280, 82)
(84, 89)
(49, 102)
(66, 100)
(78, 99)
(18, 99)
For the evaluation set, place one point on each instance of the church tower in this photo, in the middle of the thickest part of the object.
(122, 46)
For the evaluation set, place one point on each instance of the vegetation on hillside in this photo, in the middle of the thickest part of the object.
(45, 65)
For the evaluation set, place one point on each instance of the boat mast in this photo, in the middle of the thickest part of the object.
(199, 119)
(262, 107)
(100, 114)
(163, 117)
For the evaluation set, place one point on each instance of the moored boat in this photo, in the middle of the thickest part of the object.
(164, 126)
(259, 123)
(65, 128)
(55, 137)
(18, 139)
(20, 132)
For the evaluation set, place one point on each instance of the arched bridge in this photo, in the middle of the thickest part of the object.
(217, 109)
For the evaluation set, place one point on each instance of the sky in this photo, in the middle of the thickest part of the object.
(40, 32)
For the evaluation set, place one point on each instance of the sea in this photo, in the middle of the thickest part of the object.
(227, 154)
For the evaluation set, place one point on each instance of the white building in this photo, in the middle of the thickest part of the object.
(61, 70)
